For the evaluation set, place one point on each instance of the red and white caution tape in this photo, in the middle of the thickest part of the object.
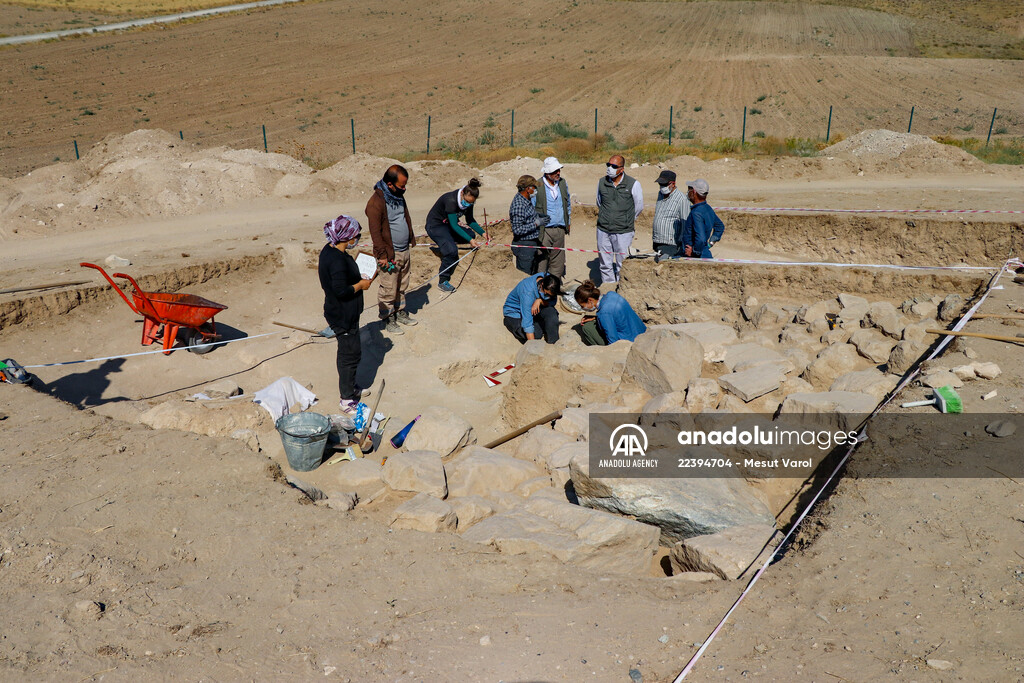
(491, 382)
(812, 210)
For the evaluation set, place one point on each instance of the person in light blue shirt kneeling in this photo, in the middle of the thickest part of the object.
(530, 311)
(615, 319)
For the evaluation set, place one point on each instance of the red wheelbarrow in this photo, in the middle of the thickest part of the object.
(163, 314)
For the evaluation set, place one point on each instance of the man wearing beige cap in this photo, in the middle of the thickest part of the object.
(553, 204)
(703, 227)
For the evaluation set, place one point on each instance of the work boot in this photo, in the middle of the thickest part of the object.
(404, 318)
(393, 328)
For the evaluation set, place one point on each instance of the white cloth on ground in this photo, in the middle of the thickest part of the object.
(278, 398)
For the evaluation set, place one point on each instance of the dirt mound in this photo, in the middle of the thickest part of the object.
(911, 151)
(144, 173)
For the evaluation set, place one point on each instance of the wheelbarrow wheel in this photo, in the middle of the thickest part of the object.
(199, 344)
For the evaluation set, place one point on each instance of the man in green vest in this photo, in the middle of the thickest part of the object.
(553, 204)
(619, 201)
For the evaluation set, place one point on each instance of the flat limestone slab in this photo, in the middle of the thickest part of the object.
(757, 381)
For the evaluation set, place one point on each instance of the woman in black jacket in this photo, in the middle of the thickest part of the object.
(343, 287)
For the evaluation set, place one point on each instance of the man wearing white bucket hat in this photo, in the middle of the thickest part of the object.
(553, 204)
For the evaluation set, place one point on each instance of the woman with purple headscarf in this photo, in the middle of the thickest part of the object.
(343, 287)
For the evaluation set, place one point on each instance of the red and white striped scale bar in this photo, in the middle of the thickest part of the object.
(491, 382)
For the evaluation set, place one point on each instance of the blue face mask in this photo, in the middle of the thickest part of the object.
(464, 204)
(543, 296)
(533, 199)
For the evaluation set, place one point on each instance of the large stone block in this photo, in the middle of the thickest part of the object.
(702, 394)
(424, 513)
(837, 409)
(471, 509)
(726, 554)
(904, 355)
(757, 381)
(439, 430)
(571, 533)
(746, 356)
(535, 443)
(713, 337)
(832, 362)
(416, 471)
(681, 508)
(481, 471)
(662, 361)
(872, 345)
(871, 381)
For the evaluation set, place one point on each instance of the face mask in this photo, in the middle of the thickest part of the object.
(464, 204)
(353, 244)
(611, 172)
(395, 191)
(543, 295)
(666, 190)
(533, 198)
(589, 310)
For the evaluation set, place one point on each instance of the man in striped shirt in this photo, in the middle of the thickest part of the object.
(670, 213)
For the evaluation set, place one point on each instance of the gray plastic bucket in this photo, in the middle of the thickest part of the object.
(304, 436)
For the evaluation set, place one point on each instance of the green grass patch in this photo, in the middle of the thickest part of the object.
(559, 130)
(997, 152)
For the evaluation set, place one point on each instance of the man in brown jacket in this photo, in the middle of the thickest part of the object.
(393, 239)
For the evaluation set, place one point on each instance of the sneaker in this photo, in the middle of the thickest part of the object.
(363, 392)
(349, 407)
(446, 286)
(393, 328)
(404, 318)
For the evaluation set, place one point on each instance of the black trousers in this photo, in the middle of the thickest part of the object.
(349, 354)
(545, 325)
(447, 246)
(526, 254)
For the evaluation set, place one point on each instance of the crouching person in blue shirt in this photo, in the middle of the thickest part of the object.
(703, 228)
(530, 311)
(615, 319)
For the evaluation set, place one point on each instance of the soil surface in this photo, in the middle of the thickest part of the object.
(130, 552)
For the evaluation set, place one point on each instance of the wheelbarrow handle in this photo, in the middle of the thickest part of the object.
(148, 303)
(114, 284)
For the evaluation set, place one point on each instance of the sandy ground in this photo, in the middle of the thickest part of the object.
(207, 567)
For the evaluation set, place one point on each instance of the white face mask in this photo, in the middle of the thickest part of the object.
(354, 243)
(666, 190)
(611, 172)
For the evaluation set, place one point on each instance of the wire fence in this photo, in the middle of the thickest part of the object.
(321, 141)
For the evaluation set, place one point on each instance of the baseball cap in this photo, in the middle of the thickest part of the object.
(666, 177)
(551, 165)
(700, 186)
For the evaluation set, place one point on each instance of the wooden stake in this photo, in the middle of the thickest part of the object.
(1007, 316)
(296, 327)
(996, 337)
(511, 435)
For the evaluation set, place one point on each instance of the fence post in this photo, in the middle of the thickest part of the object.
(265, 138)
(512, 138)
(76, 149)
(428, 133)
(911, 119)
(828, 130)
(743, 135)
(353, 122)
(181, 135)
(990, 127)
(595, 122)
(670, 125)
